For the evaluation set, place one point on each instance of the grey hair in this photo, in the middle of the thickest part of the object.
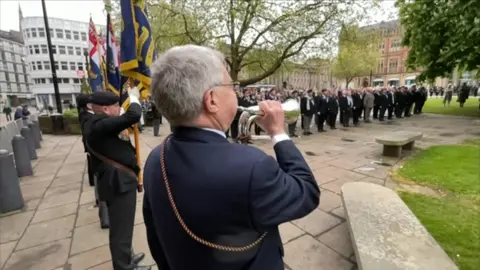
(180, 78)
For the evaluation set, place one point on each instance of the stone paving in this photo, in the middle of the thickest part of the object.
(59, 228)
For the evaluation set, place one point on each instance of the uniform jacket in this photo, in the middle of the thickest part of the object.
(227, 194)
(102, 136)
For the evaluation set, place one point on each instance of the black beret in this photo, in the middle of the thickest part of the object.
(83, 100)
(104, 98)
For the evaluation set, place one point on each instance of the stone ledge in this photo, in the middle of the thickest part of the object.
(386, 234)
(398, 138)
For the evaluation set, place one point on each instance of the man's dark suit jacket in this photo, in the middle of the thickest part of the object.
(321, 104)
(102, 135)
(227, 194)
(303, 106)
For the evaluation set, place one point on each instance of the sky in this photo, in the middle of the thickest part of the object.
(82, 10)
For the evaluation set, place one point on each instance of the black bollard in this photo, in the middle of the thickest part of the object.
(36, 139)
(22, 156)
(39, 131)
(27, 134)
(11, 198)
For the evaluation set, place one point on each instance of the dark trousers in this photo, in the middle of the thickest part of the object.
(416, 107)
(398, 111)
(320, 120)
(121, 211)
(390, 111)
(381, 113)
(346, 117)
(332, 119)
(91, 172)
(234, 129)
(408, 110)
(156, 126)
(375, 112)
(356, 115)
(292, 128)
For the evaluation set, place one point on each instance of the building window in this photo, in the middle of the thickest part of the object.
(64, 65)
(44, 49)
(46, 64)
(80, 66)
(12, 77)
(36, 49)
(84, 36)
(33, 66)
(72, 65)
(380, 66)
(34, 32)
(39, 65)
(62, 50)
(28, 32)
(65, 80)
(21, 79)
(75, 80)
(41, 32)
(68, 34)
(392, 65)
(78, 51)
(56, 65)
(19, 68)
(76, 35)
(54, 49)
(30, 49)
(2, 77)
(59, 33)
(52, 35)
(70, 50)
(395, 45)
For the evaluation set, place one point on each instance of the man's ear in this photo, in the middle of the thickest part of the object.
(210, 102)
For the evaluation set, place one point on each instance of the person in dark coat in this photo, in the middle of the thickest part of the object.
(345, 103)
(382, 103)
(84, 114)
(332, 104)
(156, 119)
(307, 110)
(115, 163)
(204, 194)
(357, 106)
(322, 110)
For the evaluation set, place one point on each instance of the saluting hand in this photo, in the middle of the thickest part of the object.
(273, 119)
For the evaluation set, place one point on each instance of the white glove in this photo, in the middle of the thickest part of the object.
(134, 95)
(122, 111)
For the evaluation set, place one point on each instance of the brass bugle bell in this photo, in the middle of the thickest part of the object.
(291, 109)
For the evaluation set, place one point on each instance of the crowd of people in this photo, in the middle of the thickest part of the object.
(323, 108)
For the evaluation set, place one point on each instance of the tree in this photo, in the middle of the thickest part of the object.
(441, 35)
(357, 54)
(85, 88)
(255, 35)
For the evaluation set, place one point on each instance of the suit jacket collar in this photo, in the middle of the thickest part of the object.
(198, 135)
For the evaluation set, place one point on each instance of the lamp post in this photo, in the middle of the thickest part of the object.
(52, 60)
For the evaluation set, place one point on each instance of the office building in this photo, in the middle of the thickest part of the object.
(15, 81)
(69, 41)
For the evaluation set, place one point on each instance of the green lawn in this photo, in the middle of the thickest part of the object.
(435, 105)
(453, 219)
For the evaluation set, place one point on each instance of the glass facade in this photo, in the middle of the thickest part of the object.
(13, 68)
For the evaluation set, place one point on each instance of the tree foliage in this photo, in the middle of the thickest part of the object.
(441, 35)
(357, 53)
(256, 35)
(85, 88)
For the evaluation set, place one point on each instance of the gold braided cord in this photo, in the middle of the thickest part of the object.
(185, 227)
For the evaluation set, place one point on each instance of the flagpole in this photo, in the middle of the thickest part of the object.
(136, 136)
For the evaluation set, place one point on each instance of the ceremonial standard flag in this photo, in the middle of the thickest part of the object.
(136, 46)
(114, 82)
(95, 73)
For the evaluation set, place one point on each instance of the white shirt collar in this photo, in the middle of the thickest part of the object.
(221, 133)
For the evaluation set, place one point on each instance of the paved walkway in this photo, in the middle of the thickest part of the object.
(59, 228)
